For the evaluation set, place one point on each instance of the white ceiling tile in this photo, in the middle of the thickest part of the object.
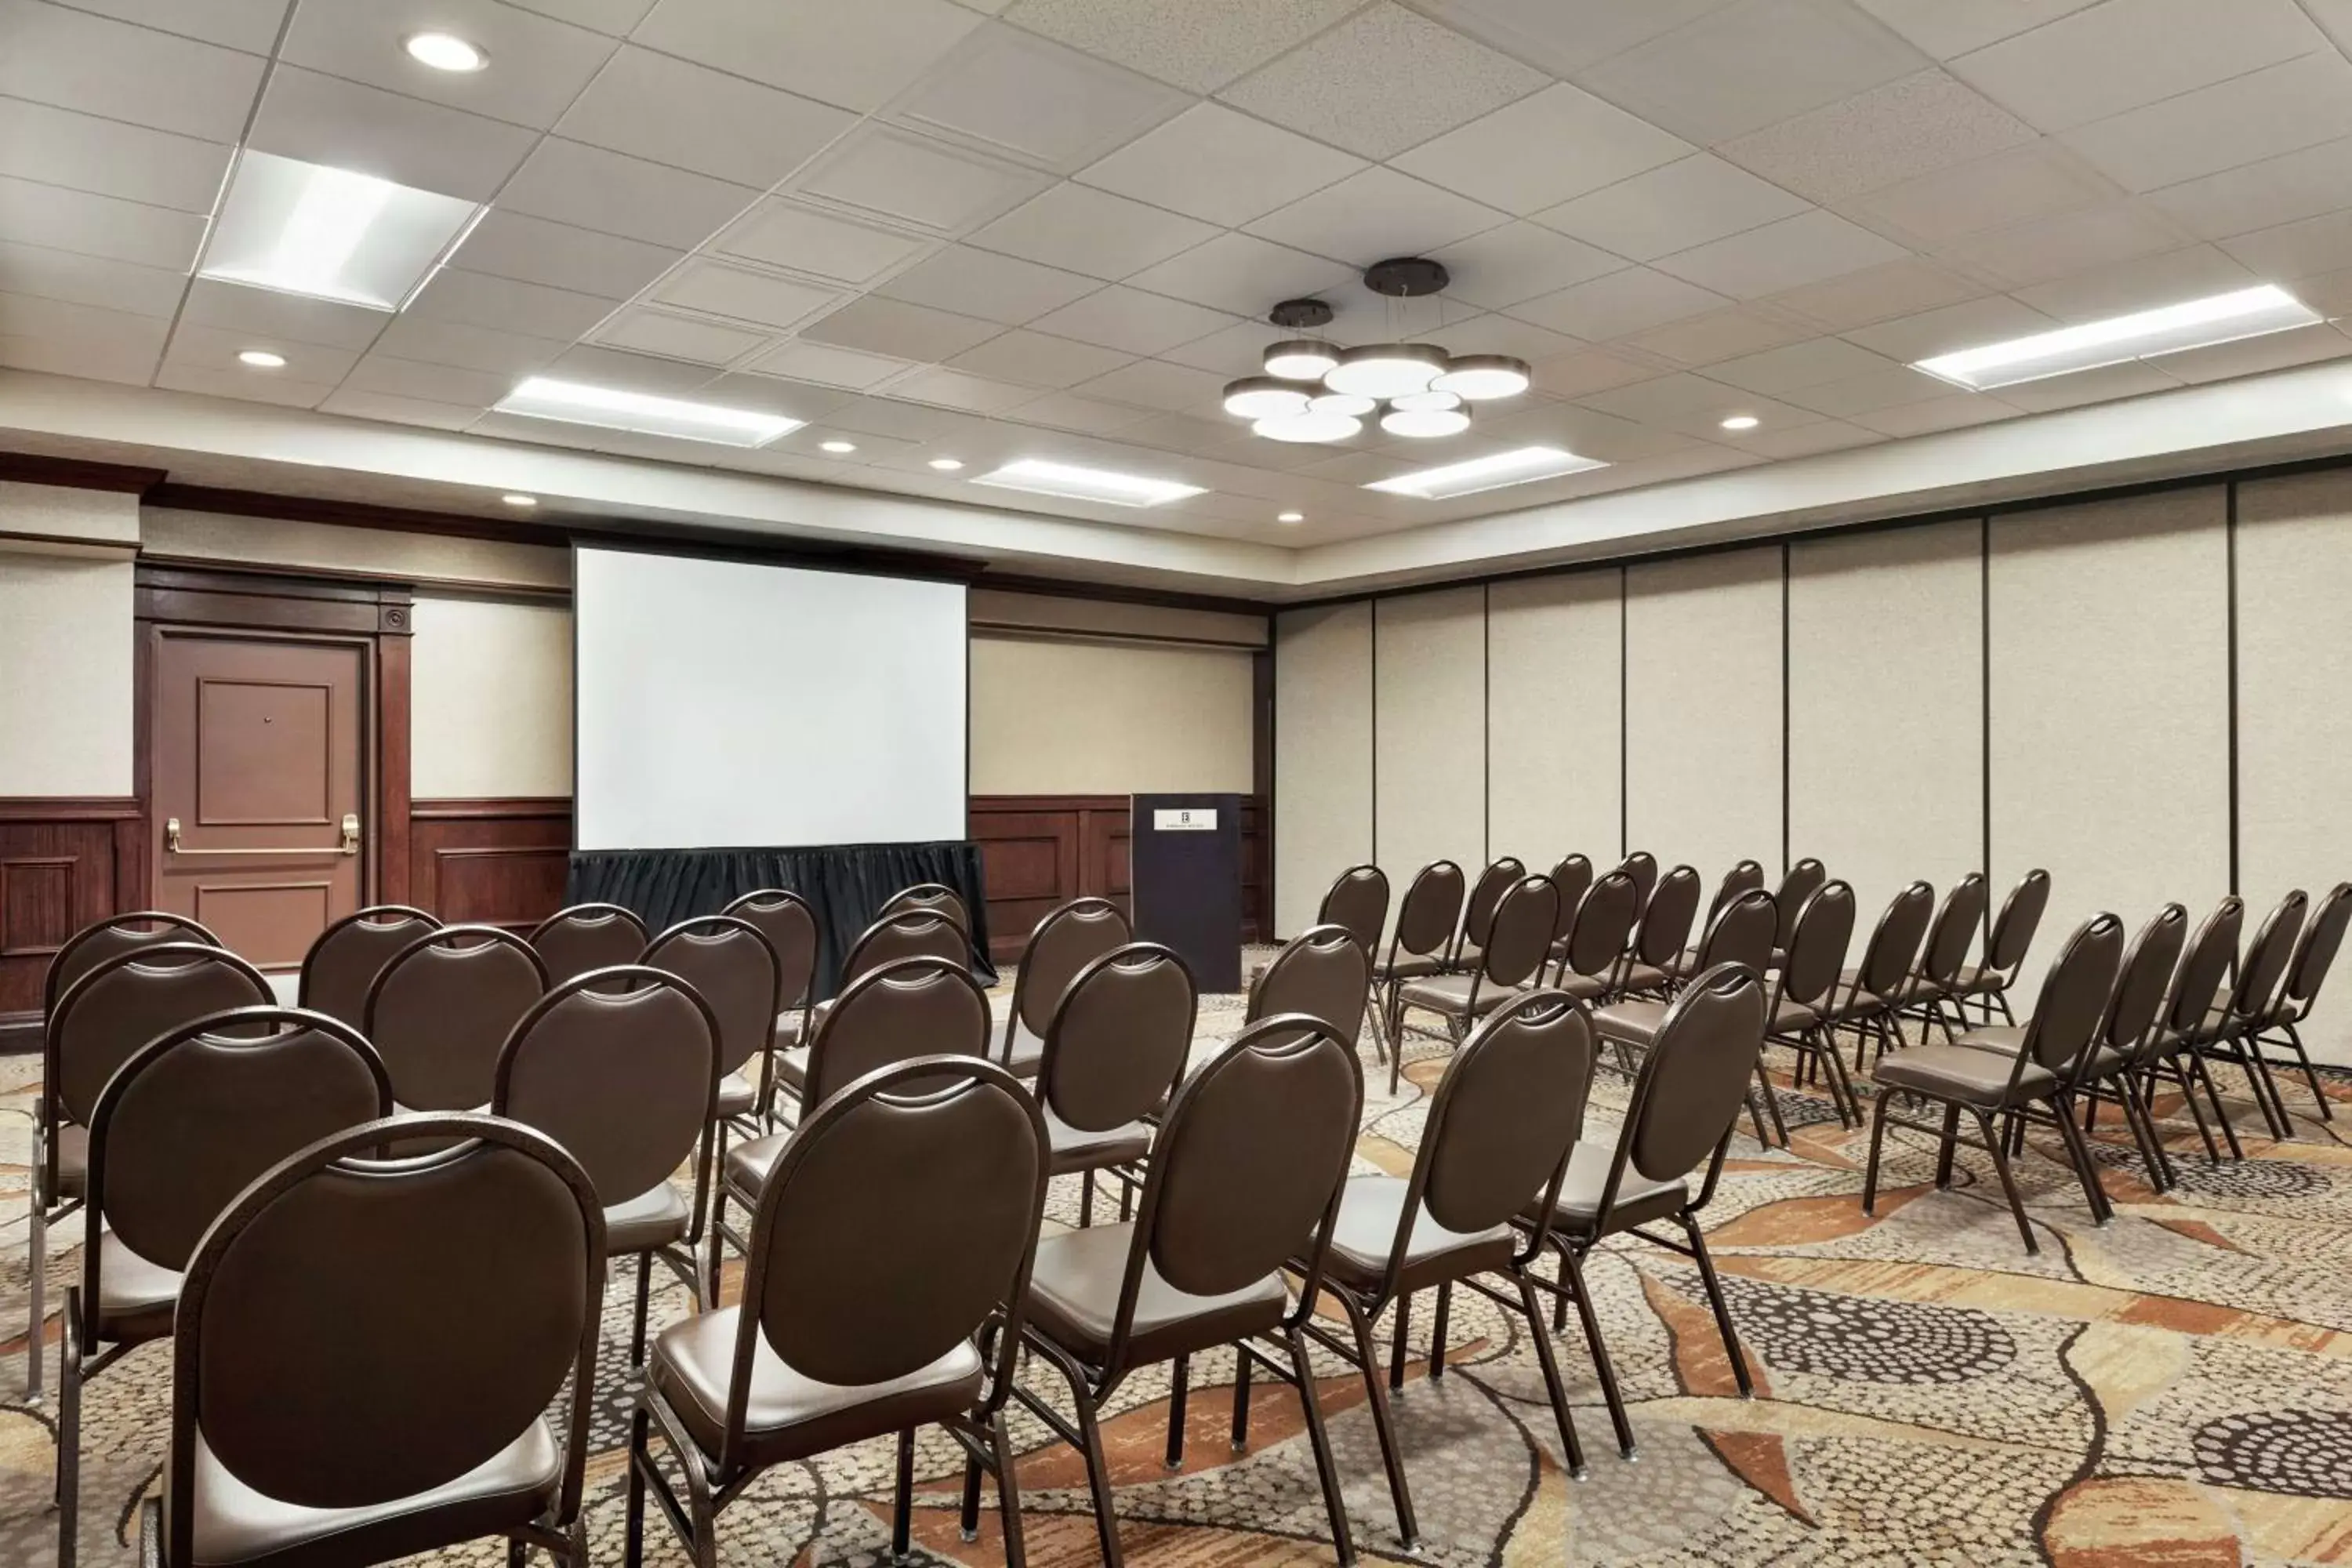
(1190, 433)
(129, 363)
(1686, 202)
(1784, 255)
(1933, 414)
(1947, 28)
(903, 178)
(234, 308)
(1385, 80)
(2100, 61)
(910, 422)
(1618, 304)
(478, 300)
(673, 111)
(242, 384)
(2190, 273)
(389, 408)
(614, 17)
(859, 57)
(61, 147)
(248, 24)
(1970, 324)
(1805, 440)
(1219, 166)
(1752, 65)
(1717, 335)
(1156, 383)
(427, 146)
(1518, 261)
(2025, 183)
(198, 347)
(533, 250)
(537, 65)
(1587, 432)
(1853, 396)
(712, 287)
(1133, 322)
(2253, 356)
(1375, 214)
(1543, 149)
(433, 382)
(1242, 274)
(1796, 366)
(1564, 36)
(870, 448)
(828, 365)
(1496, 333)
(1897, 131)
(2296, 250)
(958, 389)
(1026, 98)
(81, 325)
(1201, 45)
(994, 287)
(643, 329)
(510, 354)
(589, 187)
(75, 60)
(60, 219)
(902, 331)
(2279, 109)
(46, 274)
(770, 395)
(2132, 379)
(2263, 195)
(1875, 294)
(1086, 416)
(628, 372)
(819, 244)
(2069, 243)
(1666, 399)
(1038, 360)
(1238, 350)
(1091, 231)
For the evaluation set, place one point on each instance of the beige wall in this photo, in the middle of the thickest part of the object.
(491, 704)
(1322, 756)
(1430, 727)
(65, 675)
(170, 534)
(1555, 733)
(1058, 716)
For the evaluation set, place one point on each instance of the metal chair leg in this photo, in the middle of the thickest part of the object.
(1553, 1387)
(35, 1278)
(1437, 1331)
(1599, 1349)
(1008, 1494)
(1870, 1170)
(1241, 1400)
(2008, 1182)
(2078, 1153)
(1383, 1421)
(1321, 1440)
(68, 1478)
(1722, 1309)
(902, 1506)
(2214, 1097)
(1947, 1148)
(1180, 1386)
(1397, 1345)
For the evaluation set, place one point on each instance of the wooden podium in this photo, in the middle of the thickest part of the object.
(1184, 875)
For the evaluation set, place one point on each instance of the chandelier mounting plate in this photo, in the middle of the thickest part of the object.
(1406, 277)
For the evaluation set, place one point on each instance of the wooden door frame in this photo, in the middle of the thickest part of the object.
(376, 617)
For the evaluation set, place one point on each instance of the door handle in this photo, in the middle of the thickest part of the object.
(350, 845)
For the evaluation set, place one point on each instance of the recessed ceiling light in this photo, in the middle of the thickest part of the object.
(947, 464)
(1342, 403)
(837, 445)
(1290, 517)
(1264, 397)
(1308, 427)
(1301, 359)
(1518, 468)
(1046, 478)
(577, 403)
(306, 228)
(1387, 369)
(2144, 334)
(1421, 402)
(518, 499)
(1422, 423)
(444, 52)
(1480, 376)
(261, 359)
(1741, 422)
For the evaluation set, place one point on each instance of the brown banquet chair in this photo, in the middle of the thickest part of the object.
(1358, 898)
(1987, 983)
(1114, 1050)
(1519, 941)
(2113, 1068)
(440, 1011)
(1870, 996)
(1802, 880)
(731, 967)
(1418, 946)
(1656, 952)
(1592, 955)
(2171, 1056)
(1062, 943)
(1478, 914)
(366, 1350)
(1320, 973)
(790, 926)
(101, 939)
(347, 957)
(573, 940)
(1802, 989)
(1936, 979)
(934, 897)
(2315, 954)
(2227, 1031)
(1741, 933)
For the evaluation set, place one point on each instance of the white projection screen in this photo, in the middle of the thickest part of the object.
(730, 704)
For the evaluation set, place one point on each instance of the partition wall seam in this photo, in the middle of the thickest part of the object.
(1787, 702)
(1984, 691)
(1624, 725)
(1487, 721)
(1373, 726)
(2229, 559)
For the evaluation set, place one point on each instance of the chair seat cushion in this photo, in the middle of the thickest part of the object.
(1081, 1149)
(1074, 1294)
(736, 1095)
(1370, 1210)
(1635, 1022)
(1970, 1075)
(749, 1163)
(233, 1523)
(2005, 1040)
(73, 1162)
(1583, 987)
(1028, 1053)
(135, 1295)
(1976, 980)
(1452, 994)
(1793, 1017)
(788, 1416)
(1647, 977)
(792, 1067)
(1639, 1198)
(1407, 967)
(1849, 999)
(653, 1219)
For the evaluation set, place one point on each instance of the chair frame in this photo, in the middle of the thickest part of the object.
(1459, 1023)
(2170, 1055)
(785, 1004)
(1501, 875)
(1127, 1175)
(629, 916)
(2278, 1028)
(494, 935)
(1385, 980)
(1346, 881)
(1815, 1045)
(357, 917)
(1988, 997)
(1085, 904)
(2244, 1014)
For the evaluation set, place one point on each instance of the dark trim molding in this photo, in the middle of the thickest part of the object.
(1123, 593)
(64, 861)
(79, 473)
(497, 809)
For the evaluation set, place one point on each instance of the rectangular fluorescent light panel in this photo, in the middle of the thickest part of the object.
(1044, 479)
(2144, 334)
(1522, 467)
(330, 234)
(576, 403)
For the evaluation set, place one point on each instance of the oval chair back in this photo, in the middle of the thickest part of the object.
(1817, 950)
(2260, 976)
(1573, 877)
(1693, 1083)
(1805, 878)
(1642, 867)
(2148, 967)
(1320, 973)
(440, 1011)
(1064, 943)
(790, 926)
(2074, 1000)
(1432, 909)
(1957, 919)
(731, 967)
(912, 1007)
(1747, 875)
(1119, 1040)
(349, 954)
(120, 1002)
(2203, 970)
(2315, 954)
(935, 897)
(101, 939)
(1602, 926)
(1741, 933)
(1358, 899)
(571, 941)
(2021, 917)
(908, 933)
(300, 1366)
(1667, 918)
(1478, 914)
(1519, 938)
(1894, 951)
(620, 1066)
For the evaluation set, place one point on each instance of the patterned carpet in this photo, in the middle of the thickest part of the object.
(2175, 1388)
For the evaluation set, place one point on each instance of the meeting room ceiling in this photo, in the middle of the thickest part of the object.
(1051, 229)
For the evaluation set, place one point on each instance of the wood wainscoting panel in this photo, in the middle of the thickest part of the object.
(492, 862)
(64, 864)
(1038, 851)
